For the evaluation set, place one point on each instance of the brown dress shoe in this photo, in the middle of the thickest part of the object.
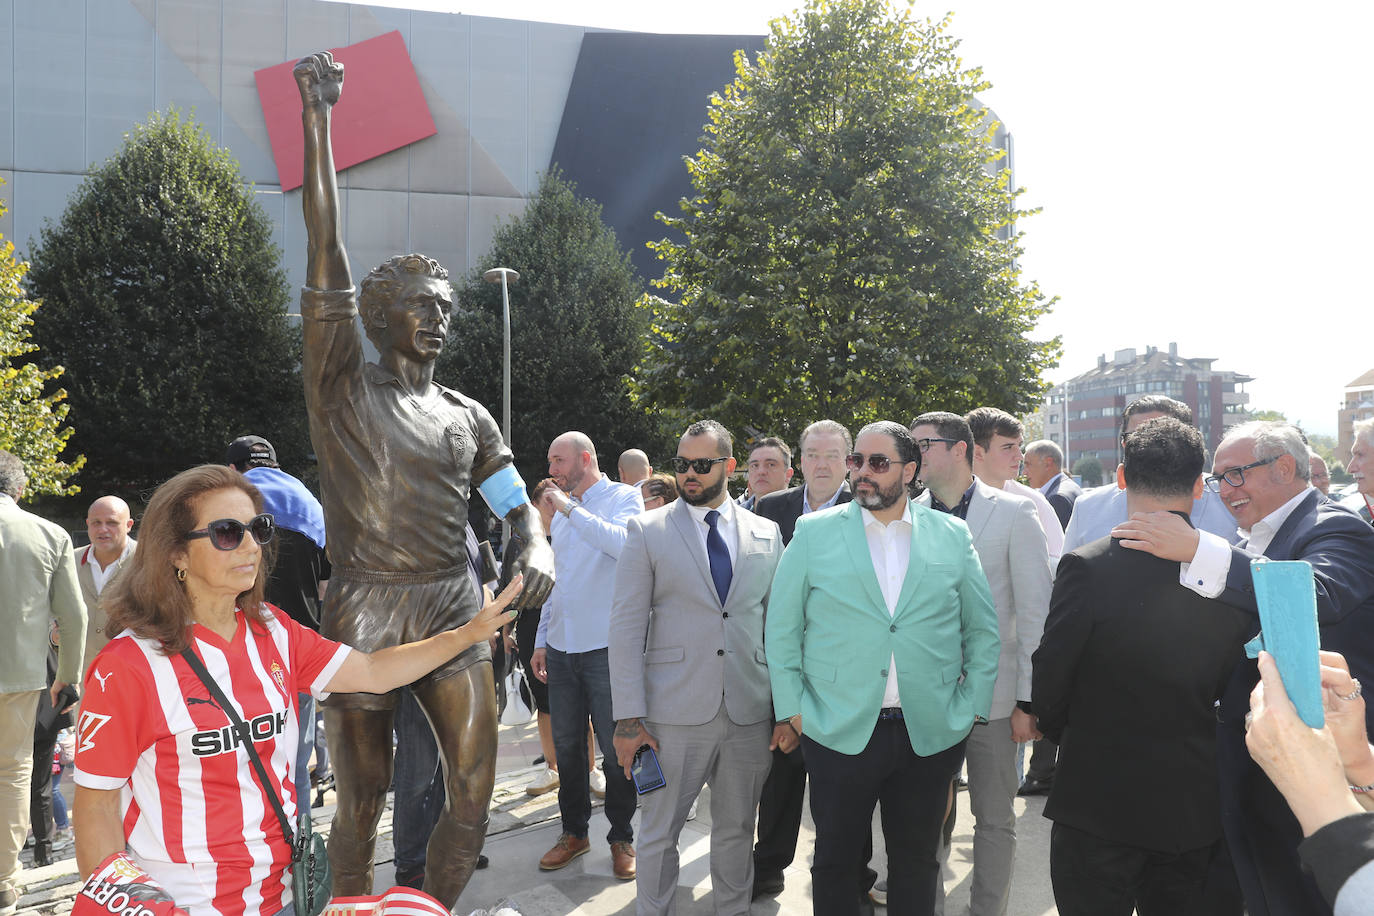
(623, 860)
(564, 851)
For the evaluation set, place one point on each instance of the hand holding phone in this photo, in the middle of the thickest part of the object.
(646, 772)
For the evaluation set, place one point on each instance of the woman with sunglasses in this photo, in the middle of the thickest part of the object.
(159, 767)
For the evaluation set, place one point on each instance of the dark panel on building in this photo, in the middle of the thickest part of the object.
(635, 108)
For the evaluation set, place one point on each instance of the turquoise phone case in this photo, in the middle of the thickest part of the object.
(1287, 599)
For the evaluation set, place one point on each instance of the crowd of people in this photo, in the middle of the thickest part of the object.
(709, 628)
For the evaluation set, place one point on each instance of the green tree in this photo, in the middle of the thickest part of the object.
(1089, 469)
(166, 301)
(841, 255)
(30, 421)
(1269, 416)
(576, 329)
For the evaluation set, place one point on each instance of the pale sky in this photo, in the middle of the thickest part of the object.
(1200, 167)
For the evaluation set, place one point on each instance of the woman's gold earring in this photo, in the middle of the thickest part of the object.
(181, 574)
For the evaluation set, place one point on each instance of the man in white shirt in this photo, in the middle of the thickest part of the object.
(571, 646)
(688, 674)
(1261, 472)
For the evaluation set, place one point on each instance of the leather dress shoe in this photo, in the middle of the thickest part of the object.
(623, 860)
(1035, 787)
(564, 851)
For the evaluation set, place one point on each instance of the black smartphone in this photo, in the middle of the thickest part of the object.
(65, 697)
(647, 774)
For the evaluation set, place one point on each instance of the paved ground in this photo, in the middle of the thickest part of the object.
(523, 828)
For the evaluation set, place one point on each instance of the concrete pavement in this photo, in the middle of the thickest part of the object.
(523, 828)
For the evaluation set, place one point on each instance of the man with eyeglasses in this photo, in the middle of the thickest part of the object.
(571, 655)
(823, 447)
(1011, 548)
(882, 648)
(688, 673)
(1261, 472)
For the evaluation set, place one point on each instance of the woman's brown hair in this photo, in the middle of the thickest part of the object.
(146, 596)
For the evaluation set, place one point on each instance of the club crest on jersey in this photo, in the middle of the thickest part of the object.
(279, 676)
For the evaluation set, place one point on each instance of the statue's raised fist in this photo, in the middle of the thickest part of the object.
(320, 78)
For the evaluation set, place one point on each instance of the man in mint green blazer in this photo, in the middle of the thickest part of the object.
(882, 648)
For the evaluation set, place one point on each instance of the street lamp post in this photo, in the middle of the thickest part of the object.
(504, 276)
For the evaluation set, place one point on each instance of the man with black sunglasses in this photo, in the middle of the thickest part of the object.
(399, 456)
(882, 649)
(1261, 472)
(688, 673)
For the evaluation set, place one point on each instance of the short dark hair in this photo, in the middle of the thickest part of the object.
(773, 442)
(949, 426)
(660, 485)
(907, 451)
(985, 422)
(13, 480)
(1156, 403)
(1163, 457)
(724, 441)
(538, 489)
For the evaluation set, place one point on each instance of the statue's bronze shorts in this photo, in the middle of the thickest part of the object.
(371, 610)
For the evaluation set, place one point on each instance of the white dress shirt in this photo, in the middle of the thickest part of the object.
(890, 548)
(1049, 521)
(1206, 573)
(726, 525)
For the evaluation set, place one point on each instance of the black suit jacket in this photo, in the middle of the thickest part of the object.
(1061, 496)
(785, 506)
(1125, 679)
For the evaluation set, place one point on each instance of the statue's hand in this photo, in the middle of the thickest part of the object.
(535, 563)
(320, 79)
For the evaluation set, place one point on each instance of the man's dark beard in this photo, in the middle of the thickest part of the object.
(708, 493)
(880, 499)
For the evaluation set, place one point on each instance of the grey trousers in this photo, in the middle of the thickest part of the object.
(990, 756)
(732, 759)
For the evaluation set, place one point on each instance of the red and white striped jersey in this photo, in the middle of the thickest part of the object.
(195, 816)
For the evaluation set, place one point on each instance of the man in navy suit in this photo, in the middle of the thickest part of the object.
(1261, 471)
(1045, 472)
(823, 447)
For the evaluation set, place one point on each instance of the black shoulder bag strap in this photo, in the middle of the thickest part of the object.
(246, 737)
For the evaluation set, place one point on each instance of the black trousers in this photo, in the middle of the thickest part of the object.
(780, 814)
(1096, 877)
(40, 793)
(911, 791)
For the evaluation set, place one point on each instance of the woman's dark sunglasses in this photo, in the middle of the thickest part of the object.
(227, 533)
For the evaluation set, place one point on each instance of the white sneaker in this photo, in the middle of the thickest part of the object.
(692, 811)
(598, 782)
(546, 781)
(62, 838)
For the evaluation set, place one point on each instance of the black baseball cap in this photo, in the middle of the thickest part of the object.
(250, 448)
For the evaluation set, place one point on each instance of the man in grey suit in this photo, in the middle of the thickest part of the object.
(37, 584)
(108, 525)
(688, 673)
(1011, 546)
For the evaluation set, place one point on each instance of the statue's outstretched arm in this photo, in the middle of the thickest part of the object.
(320, 80)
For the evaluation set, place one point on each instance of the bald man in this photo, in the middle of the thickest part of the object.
(634, 467)
(108, 524)
(590, 518)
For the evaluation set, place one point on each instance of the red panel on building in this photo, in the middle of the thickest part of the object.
(381, 109)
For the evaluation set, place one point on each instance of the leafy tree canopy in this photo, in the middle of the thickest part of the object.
(30, 421)
(166, 301)
(841, 257)
(576, 329)
(1090, 470)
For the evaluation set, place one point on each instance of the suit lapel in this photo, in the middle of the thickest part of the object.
(916, 563)
(980, 509)
(857, 543)
(1280, 548)
(682, 520)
